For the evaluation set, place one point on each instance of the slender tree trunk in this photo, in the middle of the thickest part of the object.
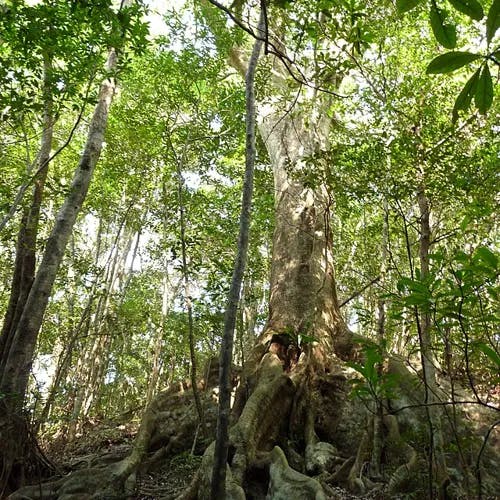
(132, 263)
(187, 294)
(428, 359)
(18, 359)
(24, 266)
(80, 372)
(248, 310)
(93, 370)
(63, 365)
(378, 416)
(158, 343)
(113, 287)
(218, 486)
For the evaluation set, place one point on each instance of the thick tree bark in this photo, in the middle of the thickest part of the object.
(303, 296)
(18, 359)
(303, 302)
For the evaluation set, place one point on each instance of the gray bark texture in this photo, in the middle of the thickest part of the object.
(218, 486)
(18, 360)
(432, 393)
(25, 263)
(20, 357)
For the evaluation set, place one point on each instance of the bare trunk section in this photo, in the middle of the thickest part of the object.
(92, 370)
(218, 482)
(179, 161)
(248, 310)
(24, 267)
(18, 362)
(437, 458)
(75, 400)
(378, 417)
(302, 297)
(102, 327)
(169, 291)
(63, 366)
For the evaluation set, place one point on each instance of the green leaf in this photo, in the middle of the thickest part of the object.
(307, 339)
(487, 256)
(417, 286)
(486, 349)
(471, 8)
(417, 299)
(356, 366)
(446, 34)
(484, 91)
(436, 256)
(493, 20)
(406, 5)
(283, 4)
(446, 63)
(462, 103)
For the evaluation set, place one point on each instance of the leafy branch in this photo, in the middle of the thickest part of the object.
(480, 85)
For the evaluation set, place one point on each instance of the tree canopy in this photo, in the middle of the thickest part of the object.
(377, 143)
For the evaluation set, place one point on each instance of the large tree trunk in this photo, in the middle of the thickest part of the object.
(303, 297)
(18, 359)
(304, 328)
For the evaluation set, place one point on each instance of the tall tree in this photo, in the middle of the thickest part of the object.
(18, 451)
(291, 418)
(218, 486)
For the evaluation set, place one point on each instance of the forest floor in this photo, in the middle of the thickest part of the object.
(107, 442)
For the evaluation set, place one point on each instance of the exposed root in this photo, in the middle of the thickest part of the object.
(404, 477)
(257, 429)
(167, 426)
(191, 491)
(286, 483)
(20, 454)
(341, 475)
(356, 481)
(233, 490)
(79, 485)
(293, 423)
(259, 425)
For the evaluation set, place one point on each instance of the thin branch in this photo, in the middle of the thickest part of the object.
(359, 292)
(263, 6)
(27, 184)
(287, 62)
(443, 403)
(454, 131)
(218, 483)
(481, 451)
